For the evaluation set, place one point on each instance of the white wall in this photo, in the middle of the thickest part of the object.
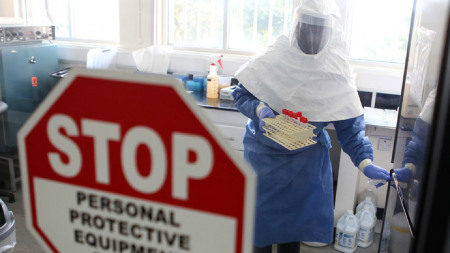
(11, 12)
(7, 8)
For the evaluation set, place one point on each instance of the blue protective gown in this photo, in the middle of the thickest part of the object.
(295, 188)
(416, 148)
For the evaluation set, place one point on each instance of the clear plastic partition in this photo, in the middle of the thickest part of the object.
(415, 123)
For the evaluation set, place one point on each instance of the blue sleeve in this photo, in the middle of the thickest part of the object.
(351, 137)
(416, 148)
(246, 102)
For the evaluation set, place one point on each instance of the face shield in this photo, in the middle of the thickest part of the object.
(312, 33)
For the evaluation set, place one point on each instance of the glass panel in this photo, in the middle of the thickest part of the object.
(380, 30)
(255, 24)
(59, 16)
(366, 98)
(414, 124)
(196, 23)
(387, 101)
(96, 20)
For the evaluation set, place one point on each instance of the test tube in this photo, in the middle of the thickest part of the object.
(304, 121)
(298, 118)
(284, 111)
(291, 115)
(295, 118)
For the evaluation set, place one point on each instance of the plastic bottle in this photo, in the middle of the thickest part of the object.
(212, 86)
(315, 244)
(366, 226)
(224, 81)
(346, 233)
(193, 85)
(368, 193)
(369, 202)
(7, 228)
(400, 235)
(386, 237)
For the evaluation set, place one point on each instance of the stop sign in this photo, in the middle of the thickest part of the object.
(116, 162)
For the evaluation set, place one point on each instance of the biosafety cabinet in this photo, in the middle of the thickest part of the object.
(24, 82)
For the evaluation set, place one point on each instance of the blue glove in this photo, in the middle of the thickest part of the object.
(265, 112)
(374, 172)
(403, 174)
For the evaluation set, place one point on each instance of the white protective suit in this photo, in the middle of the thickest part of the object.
(292, 75)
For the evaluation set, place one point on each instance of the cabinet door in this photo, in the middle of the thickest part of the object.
(26, 79)
(234, 135)
(24, 83)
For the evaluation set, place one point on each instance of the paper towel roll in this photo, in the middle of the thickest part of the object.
(153, 59)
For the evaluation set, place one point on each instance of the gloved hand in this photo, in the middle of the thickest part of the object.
(265, 112)
(403, 174)
(374, 172)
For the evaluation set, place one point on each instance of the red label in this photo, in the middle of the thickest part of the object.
(208, 193)
(34, 81)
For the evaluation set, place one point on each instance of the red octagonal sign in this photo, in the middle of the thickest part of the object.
(116, 162)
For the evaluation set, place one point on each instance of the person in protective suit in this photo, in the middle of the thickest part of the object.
(308, 72)
(415, 151)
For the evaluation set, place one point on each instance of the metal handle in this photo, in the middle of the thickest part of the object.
(32, 60)
(402, 202)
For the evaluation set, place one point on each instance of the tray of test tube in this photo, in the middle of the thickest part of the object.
(291, 130)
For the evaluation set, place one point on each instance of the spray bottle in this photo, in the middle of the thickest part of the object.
(212, 85)
(217, 59)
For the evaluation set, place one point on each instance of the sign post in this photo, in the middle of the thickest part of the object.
(116, 162)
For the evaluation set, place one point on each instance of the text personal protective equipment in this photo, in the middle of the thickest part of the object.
(312, 33)
(264, 112)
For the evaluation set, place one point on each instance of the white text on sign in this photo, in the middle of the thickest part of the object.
(103, 132)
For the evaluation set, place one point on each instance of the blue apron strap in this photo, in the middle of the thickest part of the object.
(324, 138)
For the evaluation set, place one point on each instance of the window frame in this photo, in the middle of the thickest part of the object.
(139, 31)
(135, 30)
(372, 76)
(346, 6)
(162, 38)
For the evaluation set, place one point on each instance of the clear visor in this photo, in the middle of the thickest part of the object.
(313, 33)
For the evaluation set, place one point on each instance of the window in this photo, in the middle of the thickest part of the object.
(88, 20)
(227, 25)
(379, 29)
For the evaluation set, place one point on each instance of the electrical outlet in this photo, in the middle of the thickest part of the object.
(384, 144)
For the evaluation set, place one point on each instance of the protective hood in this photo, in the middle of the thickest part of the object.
(320, 85)
(312, 25)
(428, 108)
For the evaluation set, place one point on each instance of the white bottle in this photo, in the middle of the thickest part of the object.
(368, 193)
(372, 207)
(346, 233)
(366, 226)
(212, 86)
(386, 237)
(400, 235)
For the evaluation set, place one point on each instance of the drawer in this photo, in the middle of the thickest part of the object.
(233, 135)
(223, 117)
